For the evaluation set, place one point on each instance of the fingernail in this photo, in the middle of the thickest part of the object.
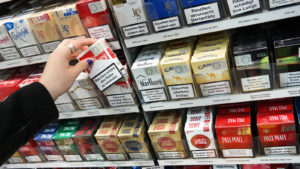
(90, 62)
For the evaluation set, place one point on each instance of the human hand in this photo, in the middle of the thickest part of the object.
(58, 75)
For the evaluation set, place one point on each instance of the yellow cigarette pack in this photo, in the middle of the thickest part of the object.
(179, 47)
(132, 137)
(178, 76)
(68, 21)
(44, 27)
(211, 67)
(107, 138)
(166, 135)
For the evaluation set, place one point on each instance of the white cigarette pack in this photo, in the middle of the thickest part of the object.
(199, 134)
(107, 69)
(84, 92)
(64, 103)
(20, 32)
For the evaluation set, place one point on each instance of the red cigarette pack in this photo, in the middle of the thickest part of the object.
(31, 152)
(256, 166)
(276, 127)
(10, 85)
(233, 128)
(96, 17)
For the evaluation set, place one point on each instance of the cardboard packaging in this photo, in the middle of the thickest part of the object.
(176, 69)
(148, 76)
(236, 8)
(251, 59)
(45, 30)
(8, 86)
(164, 15)
(31, 152)
(8, 49)
(64, 103)
(233, 128)
(279, 3)
(120, 93)
(286, 51)
(84, 93)
(276, 127)
(131, 17)
(16, 158)
(211, 65)
(64, 142)
(30, 79)
(96, 17)
(133, 137)
(85, 140)
(107, 138)
(22, 35)
(166, 135)
(199, 133)
(256, 166)
(107, 69)
(68, 21)
(47, 145)
(201, 11)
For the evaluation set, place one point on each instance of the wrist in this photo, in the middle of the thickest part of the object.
(51, 89)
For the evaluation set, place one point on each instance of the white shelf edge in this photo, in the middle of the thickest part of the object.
(267, 16)
(223, 99)
(82, 164)
(99, 112)
(224, 161)
(24, 61)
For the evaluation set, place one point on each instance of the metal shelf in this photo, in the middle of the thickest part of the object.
(224, 161)
(99, 112)
(82, 164)
(247, 20)
(223, 99)
(24, 61)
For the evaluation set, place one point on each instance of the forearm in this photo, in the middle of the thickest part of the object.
(24, 113)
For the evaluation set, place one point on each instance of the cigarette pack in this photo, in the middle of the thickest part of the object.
(164, 15)
(22, 35)
(131, 17)
(276, 127)
(64, 142)
(177, 72)
(85, 140)
(286, 51)
(16, 158)
(45, 30)
(211, 66)
(64, 103)
(233, 128)
(31, 152)
(201, 11)
(8, 48)
(10, 85)
(132, 136)
(108, 140)
(107, 69)
(148, 76)
(47, 145)
(96, 17)
(30, 79)
(84, 93)
(68, 21)
(251, 58)
(242, 6)
(166, 135)
(256, 166)
(120, 93)
(279, 3)
(199, 133)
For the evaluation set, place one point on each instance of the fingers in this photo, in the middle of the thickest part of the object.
(78, 52)
(78, 43)
(82, 66)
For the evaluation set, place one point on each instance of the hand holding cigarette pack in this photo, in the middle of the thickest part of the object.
(107, 69)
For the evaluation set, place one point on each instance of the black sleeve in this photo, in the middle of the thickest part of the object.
(23, 114)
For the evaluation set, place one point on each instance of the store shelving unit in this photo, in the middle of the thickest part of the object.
(223, 99)
(24, 61)
(267, 16)
(99, 112)
(82, 164)
(214, 161)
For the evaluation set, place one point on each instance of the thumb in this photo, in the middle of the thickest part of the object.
(82, 66)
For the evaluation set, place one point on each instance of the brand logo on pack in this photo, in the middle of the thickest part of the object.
(20, 33)
(4, 40)
(137, 13)
(178, 69)
(148, 82)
